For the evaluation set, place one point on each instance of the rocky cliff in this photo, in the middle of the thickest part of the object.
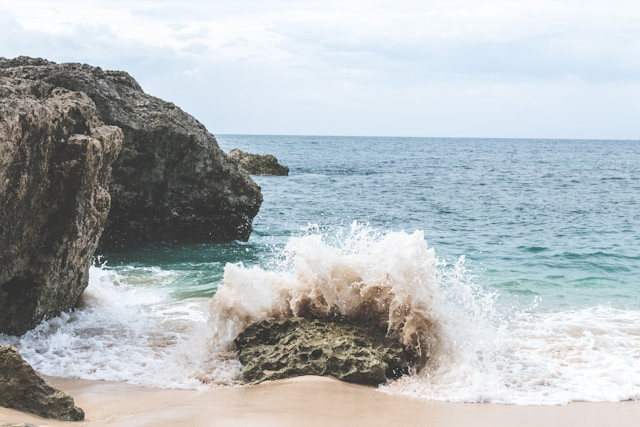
(55, 168)
(171, 181)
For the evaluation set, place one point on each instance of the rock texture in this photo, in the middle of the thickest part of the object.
(171, 180)
(258, 164)
(354, 353)
(55, 168)
(23, 389)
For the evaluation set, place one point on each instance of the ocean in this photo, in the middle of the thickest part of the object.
(520, 259)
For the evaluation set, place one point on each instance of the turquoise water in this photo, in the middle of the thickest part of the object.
(524, 255)
(554, 219)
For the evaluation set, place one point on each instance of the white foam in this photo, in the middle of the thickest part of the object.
(123, 331)
(545, 358)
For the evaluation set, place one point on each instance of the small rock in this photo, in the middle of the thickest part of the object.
(23, 389)
(259, 164)
(351, 352)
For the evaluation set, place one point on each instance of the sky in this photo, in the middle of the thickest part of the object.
(444, 68)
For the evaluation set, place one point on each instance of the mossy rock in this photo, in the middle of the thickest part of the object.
(349, 351)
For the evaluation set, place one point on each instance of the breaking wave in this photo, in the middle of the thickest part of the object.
(473, 348)
(393, 279)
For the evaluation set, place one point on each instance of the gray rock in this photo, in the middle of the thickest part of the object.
(55, 168)
(259, 164)
(351, 352)
(171, 181)
(23, 389)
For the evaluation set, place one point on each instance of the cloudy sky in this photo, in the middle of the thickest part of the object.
(469, 68)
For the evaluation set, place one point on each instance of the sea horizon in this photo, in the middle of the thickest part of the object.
(489, 138)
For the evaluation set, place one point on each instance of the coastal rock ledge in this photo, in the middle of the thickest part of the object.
(259, 164)
(23, 389)
(171, 181)
(352, 352)
(55, 169)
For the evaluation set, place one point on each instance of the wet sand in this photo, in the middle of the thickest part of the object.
(307, 401)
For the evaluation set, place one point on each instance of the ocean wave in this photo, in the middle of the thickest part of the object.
(392, 279)
(132, 324)
(473, 349)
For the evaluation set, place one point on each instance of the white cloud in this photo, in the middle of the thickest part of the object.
(414, 67)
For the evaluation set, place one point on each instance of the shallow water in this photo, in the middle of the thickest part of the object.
(523, 255)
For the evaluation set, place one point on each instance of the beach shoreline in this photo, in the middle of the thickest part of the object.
(310, 401)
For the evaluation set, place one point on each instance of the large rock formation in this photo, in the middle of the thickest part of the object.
(171, 180)
(352, 352)
(23, 389)
(55, 168)
(258, 164)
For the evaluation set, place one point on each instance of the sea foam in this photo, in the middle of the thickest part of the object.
(543, 358)
(127, 328)
(474, 348)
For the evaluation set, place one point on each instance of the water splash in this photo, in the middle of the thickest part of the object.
(472, 348)
(127, 328)
(393, 279)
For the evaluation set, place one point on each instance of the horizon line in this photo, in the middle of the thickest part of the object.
(428, 137)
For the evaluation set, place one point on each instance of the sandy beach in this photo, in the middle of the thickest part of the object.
(309, 401)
